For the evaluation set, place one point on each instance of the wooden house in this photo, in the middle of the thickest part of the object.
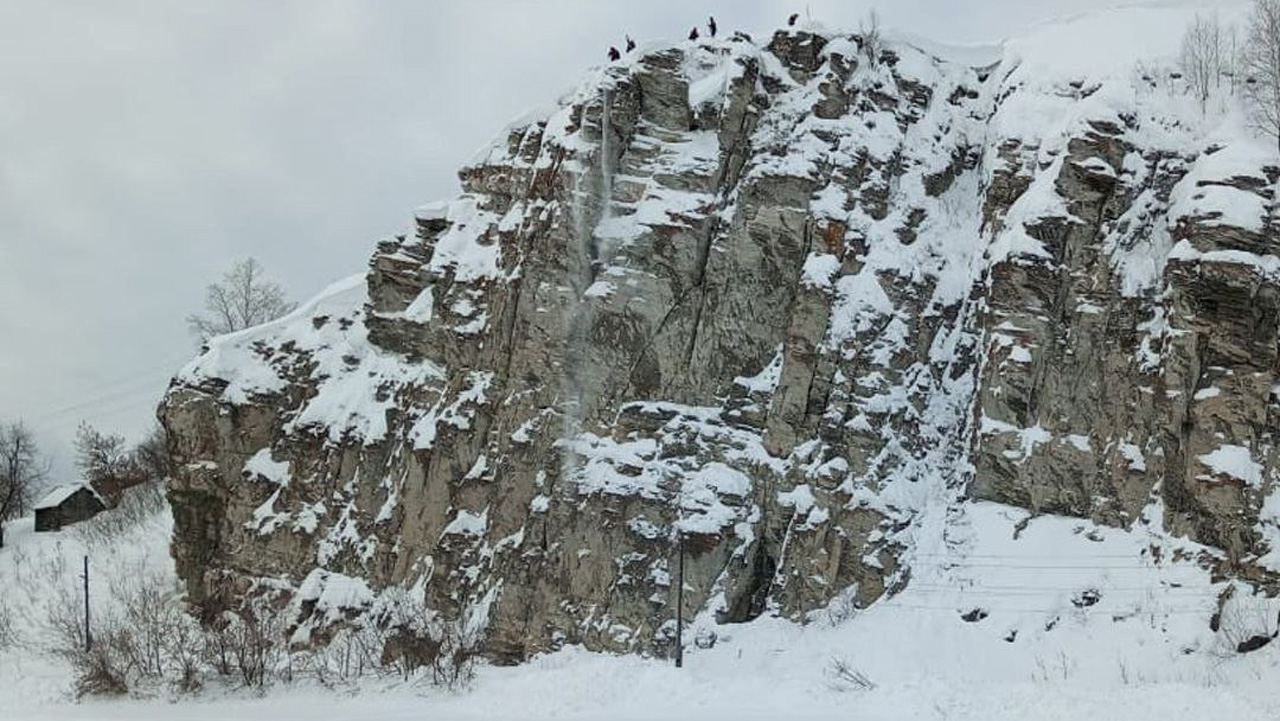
(67, 504)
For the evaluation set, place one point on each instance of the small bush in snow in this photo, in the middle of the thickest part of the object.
(453, 666)
(8, 633)
(352, 653)
(872, 38)
(99, 666)
(843, 607)
(156, 637)
(144, 639)
(251, 646)
(842, 676)
(99, 673)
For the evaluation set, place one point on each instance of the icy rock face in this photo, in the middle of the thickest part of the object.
(787, 302)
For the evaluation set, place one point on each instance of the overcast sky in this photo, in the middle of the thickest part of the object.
(147, 144)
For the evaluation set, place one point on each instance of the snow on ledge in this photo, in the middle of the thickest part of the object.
(1233, 461)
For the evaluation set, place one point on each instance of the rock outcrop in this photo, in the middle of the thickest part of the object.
(785, 307)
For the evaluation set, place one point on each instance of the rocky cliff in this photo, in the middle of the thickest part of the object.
(795, 307)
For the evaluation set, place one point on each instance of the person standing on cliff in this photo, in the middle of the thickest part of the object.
(693, 34)
(711, 26)
(791, 21)
(614, 55)
(631, 44)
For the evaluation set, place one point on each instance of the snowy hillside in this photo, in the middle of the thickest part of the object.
(42, 582)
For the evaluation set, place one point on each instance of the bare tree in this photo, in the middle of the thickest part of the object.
(152, 454)
(22, 471)
(1260, 63)
(244, 297)
(1205, 57)
(106, 462)
(872, 39)
(1232, 44)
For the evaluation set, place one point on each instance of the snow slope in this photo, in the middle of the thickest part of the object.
(41, 572)
(1124, 657)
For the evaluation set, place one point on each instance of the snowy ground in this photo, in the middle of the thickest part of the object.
(614, 689)
(1134, 654)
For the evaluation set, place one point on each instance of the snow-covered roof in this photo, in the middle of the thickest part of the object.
(54, 498)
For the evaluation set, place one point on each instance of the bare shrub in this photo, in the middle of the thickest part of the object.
(99, 666)
(351, 654)
(1146, 77)
(842, 676)
(256, 644)
(843, 607)
(155, 634)
(8, 629)
(144, 639)
(453, 666)
(408, 637)
(98, 672)
(216, 649)
(872, 38)
(141, 636)
(64, 621)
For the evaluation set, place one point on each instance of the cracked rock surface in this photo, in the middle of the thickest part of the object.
(784, 301)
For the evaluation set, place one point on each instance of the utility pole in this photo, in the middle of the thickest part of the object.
(88, 636)
(680, 602)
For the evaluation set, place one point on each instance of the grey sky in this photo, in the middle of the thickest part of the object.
(147, 144)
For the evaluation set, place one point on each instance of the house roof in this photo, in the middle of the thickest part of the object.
(59, 494)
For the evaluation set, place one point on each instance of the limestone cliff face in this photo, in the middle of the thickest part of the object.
(795, 303)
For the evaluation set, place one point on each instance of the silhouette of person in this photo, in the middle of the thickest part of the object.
(614, 54)
(711, 26)
(631, 44)
(791, 21)
(693, 34)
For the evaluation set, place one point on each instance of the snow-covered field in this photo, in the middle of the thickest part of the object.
(585, 688)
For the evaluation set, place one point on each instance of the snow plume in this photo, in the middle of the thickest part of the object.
(590, 207)
(603, 250)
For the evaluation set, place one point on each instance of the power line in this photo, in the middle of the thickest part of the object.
(962, 555)
(111, 399)
(1088, 610)
(108, 393)
(1081, 587)
(106, 412)
(128, 399)
(1032, 592)
(1042, 567)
